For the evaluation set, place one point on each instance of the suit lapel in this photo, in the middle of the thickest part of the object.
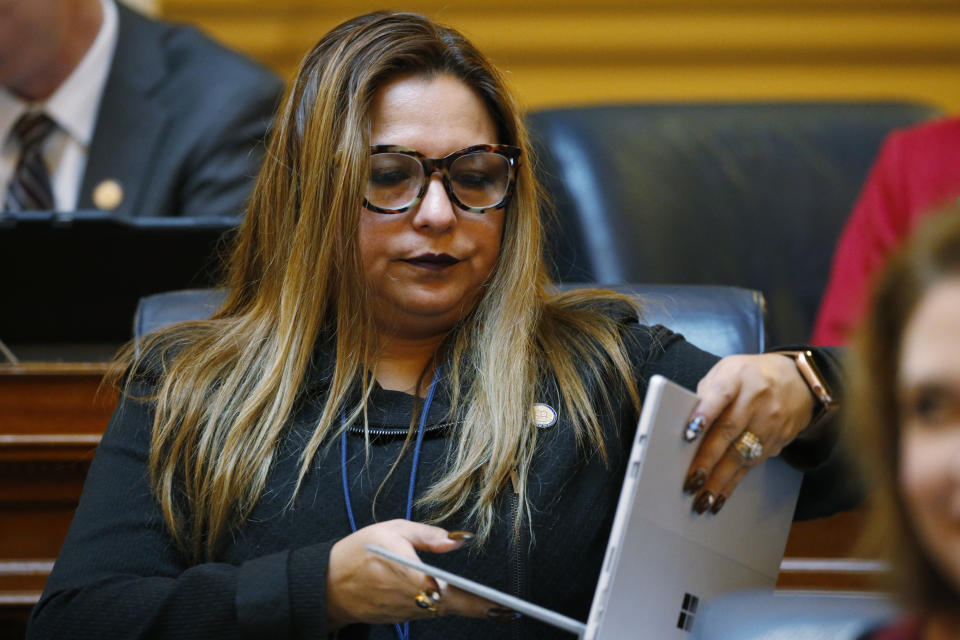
(130, 119)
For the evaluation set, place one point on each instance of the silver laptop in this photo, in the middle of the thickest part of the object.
(663, 560)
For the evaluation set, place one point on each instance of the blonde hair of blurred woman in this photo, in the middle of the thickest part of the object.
(931, 255)
(227, 386)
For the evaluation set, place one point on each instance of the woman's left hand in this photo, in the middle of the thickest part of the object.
(763, 395)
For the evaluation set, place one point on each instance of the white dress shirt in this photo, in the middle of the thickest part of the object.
(73, 107)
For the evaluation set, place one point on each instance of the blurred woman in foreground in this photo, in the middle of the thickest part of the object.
(907, 406)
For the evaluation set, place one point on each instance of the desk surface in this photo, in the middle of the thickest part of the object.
(32, 368)
(46, 355)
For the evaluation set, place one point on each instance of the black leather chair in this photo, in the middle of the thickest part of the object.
(752, 195)
(722, 320)
(164, 309)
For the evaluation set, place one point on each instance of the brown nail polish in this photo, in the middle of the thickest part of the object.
(718, 504)
(502, 615)
(460, 535)
(694, 481)
(703, 502)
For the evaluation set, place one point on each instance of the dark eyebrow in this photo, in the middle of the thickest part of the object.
(935, 385)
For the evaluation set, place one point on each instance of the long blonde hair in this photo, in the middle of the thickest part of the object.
(224, 388)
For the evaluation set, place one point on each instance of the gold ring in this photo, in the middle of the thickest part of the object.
(428, 601)
(748, 447)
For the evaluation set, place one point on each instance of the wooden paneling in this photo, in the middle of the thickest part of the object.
(45, 400)
(566, 52)
(51, 419)
(824, 554)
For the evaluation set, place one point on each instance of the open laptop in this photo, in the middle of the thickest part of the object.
(71, 280)
(662, 559)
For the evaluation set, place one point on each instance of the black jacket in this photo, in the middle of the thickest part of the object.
(120, 576)
(181, 122)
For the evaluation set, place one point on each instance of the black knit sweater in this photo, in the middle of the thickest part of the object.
(119, 575)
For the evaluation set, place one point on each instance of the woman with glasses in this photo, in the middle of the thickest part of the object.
(391, 366)
(907, 413)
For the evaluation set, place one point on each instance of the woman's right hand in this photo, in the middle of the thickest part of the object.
(365, 588)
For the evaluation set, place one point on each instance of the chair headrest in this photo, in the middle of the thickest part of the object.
(719, 319)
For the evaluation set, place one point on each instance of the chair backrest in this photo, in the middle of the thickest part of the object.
(751, 195)
(161, 310)
(719, 319)
(722, 320)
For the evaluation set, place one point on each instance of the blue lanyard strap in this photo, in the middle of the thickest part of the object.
(403, 631)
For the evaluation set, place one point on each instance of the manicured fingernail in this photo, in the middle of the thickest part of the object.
(718, 504)
(694, 481)
(704, 501)
(694, 428)
(502, 615)
(460, 535)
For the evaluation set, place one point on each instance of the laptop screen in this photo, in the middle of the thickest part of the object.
(75, 278)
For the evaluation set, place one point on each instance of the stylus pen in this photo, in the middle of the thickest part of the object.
(528, 608)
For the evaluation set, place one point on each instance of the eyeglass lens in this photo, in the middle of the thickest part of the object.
(477, 179)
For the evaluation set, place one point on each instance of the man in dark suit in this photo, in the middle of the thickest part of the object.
(176, 129)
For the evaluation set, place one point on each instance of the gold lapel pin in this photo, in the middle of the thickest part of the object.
(544, 415)
(108, 195)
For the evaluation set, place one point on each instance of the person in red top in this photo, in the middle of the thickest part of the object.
(916, 172)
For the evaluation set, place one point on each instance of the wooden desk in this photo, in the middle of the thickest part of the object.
(51, 419)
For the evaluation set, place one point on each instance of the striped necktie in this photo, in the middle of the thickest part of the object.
(29, 188)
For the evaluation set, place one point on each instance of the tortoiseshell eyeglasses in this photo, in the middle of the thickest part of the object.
(477, 178)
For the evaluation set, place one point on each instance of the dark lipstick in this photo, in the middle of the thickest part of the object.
(435, 261)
